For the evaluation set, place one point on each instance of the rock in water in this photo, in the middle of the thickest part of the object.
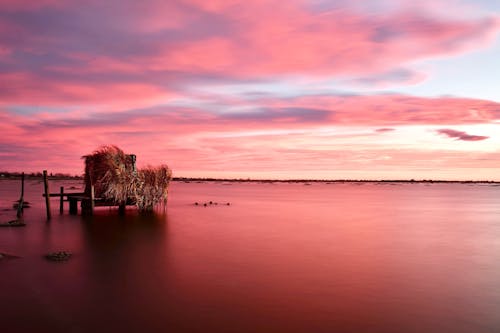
(58, 256)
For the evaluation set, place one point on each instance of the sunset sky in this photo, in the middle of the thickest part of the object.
(336, 89)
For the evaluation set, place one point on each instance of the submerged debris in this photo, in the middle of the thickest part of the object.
(13, 223)
(58, 256)
(211, 203)
(7, 256)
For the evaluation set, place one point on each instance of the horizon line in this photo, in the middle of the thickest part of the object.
(59, 175)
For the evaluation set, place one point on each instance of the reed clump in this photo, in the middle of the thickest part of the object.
(115, 177)
(152, 186)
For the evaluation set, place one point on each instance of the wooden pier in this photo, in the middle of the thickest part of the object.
(87, 202)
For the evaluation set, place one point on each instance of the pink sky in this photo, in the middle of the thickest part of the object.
(260, 89)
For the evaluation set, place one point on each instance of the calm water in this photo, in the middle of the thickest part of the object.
(281, 258)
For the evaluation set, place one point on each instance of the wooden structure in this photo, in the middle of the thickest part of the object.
(87, 203)
(111, 179)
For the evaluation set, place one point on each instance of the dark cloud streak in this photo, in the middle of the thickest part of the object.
(460, 135)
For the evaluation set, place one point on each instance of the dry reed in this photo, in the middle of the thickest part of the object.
(115, 177)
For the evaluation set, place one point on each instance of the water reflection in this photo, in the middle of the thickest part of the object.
(281, 258)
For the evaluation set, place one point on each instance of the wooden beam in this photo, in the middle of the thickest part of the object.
(66, 194)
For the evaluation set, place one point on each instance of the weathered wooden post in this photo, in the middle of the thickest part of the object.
(92, 198)
(121, 209)
(20, 203)
(88, 203)
(47, 194)
(61, 201)
(73, 205)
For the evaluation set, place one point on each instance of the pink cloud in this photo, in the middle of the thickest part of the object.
(26, 88)
(291, 40)
(156, 47)
(395, 77)
(24, 5)
(82, 74)
(284, 135)
(396, 109)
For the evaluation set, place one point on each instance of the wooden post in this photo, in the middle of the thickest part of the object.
(61, 201)
(20, 203)
(47, 195)
(22, 185)
(73, 205)
(88, 203)
(92, 198)
(121, 209)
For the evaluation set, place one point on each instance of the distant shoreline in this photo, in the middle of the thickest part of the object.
(31, 176)
(411, 181)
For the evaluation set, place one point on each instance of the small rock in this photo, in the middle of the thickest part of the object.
(196, 204)
(58, 256)
(228, 204)
(205, 204)
(211, 202)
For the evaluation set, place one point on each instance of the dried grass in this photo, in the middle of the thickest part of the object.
(114, 176)
(152, 186)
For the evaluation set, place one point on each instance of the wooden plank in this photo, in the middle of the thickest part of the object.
(66, 194)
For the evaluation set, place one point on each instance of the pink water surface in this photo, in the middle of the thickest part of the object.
(280, 258)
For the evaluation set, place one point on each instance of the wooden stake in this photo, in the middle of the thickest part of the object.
(121, 209)
(73, 205)
(61, 201)
(92, 198)
(20, 204)
(47, 196)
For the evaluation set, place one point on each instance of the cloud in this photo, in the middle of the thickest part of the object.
(396, 76)
(385, 129)
(459, 135)
(59, 52)
(188, 74)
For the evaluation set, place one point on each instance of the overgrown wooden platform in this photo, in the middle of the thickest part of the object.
(87, 202)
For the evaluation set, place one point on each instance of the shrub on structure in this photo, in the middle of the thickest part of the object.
(115, 177)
